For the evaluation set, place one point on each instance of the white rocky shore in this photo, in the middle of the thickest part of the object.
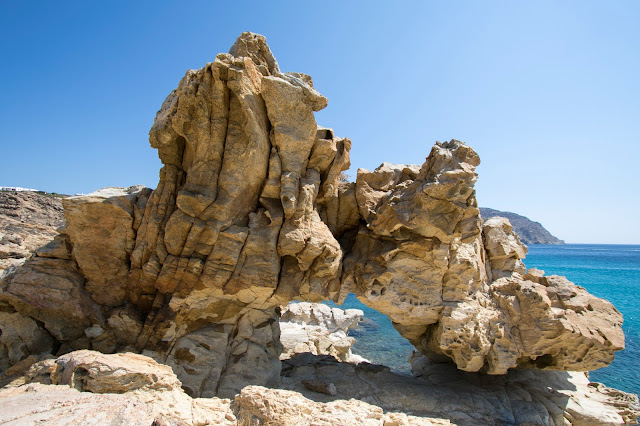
(320, 330)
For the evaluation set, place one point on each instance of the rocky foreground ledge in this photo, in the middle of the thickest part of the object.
(88, 387)
(250, 214)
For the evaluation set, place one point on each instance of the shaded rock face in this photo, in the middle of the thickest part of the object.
(27, 221)
(440, 391)
(249, 214)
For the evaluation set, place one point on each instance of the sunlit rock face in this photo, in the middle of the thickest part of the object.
(318, 329)
(250, 213)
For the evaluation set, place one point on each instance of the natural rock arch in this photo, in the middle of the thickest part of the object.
(249, 213)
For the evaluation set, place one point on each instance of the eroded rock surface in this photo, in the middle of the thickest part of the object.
(257, 405)
(90, 388)
(440, 391)
(459, 290)
(318, 329)
(27, 221)
(87, 387)
(249, 214)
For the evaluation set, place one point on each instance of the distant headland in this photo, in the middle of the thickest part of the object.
(530, 232)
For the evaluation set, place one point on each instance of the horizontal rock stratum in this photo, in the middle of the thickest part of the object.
(250, 213)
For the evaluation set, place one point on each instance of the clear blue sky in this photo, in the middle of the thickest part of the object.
(547, 92)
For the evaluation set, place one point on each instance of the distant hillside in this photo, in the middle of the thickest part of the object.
(530, 232)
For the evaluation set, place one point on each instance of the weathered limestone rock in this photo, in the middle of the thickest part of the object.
(315, 314)
(95, 372)
(257, 405)
(27, 221)
(87, 387)
(21, 336)
(101, 226)
(457, 290)
(440, 391)
(560, 325)
(52, 292)
(318, 329)
(250, 214)
(503, 247)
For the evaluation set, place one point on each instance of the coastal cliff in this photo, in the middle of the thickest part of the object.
(250, 214)
(528, 231)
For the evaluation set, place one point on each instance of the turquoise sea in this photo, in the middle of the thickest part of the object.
(608, 271)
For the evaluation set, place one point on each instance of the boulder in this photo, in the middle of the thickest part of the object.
(90, 388)
(92, 371)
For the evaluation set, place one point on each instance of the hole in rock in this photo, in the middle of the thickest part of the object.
(324, 134)
(376, 338)
(80, 377)
(544, 361)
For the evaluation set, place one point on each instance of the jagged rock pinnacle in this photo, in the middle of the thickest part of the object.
(250, 214)
(254, 46)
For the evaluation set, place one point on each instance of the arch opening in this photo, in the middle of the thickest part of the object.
(376, 340)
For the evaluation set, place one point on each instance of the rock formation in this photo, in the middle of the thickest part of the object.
(27, 221)
(87, 387)
(318, 329)
(440, 391)
(530, 232)
(249, 214)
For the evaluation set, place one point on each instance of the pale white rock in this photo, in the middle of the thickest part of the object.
(88, 387)
(318, 329)
(257, 405)
(440, 391)
(504, 248)
(318, 314)
(110, 191)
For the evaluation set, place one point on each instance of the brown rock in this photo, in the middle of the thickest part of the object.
(21, 336)
(94, 372)
(264, 406)
(52, 292)
(28, 221)
(100, 225)
(250, 214)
